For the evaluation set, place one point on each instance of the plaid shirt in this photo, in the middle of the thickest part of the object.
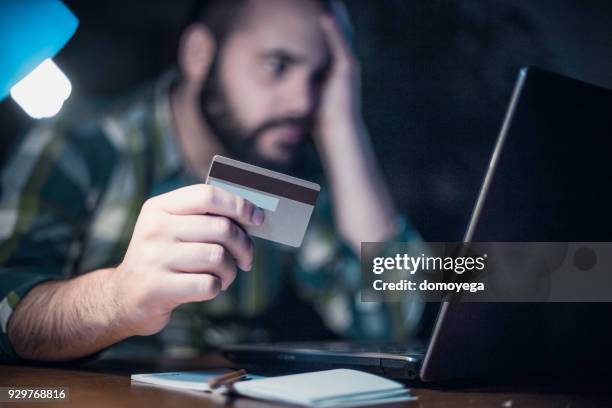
(69, 199)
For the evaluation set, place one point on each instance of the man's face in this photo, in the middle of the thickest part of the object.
(262, 93)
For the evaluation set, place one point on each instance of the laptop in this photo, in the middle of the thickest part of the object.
(548, 179)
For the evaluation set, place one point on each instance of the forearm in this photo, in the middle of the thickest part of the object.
(65, 320)
(363, 206)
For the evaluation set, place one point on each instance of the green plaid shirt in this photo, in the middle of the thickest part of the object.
(69, 198)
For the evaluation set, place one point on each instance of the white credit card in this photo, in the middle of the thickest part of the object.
(287, 201)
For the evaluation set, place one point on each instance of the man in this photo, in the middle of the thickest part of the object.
(107, 227)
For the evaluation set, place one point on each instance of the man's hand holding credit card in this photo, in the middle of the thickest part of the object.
(187, 246)
(287, 201)
(189, 243)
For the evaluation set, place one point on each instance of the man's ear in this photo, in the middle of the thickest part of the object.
(196, 52)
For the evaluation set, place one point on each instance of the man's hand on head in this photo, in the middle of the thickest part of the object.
(340, 106)
(363, 206)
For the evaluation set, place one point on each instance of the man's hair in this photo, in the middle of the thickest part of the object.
(222, 16)
(219, 16)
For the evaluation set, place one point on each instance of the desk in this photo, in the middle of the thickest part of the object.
(107, 384)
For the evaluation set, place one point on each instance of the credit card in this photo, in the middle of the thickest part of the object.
(287, 201)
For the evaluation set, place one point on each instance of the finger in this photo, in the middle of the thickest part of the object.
(218, 230)
(340, 14)
(206, 199)
(339, 48)
(192, 287)
(193, 257)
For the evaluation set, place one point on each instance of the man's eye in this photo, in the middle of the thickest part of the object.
(276, 67)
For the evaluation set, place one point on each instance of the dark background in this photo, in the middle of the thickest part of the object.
(437, 75)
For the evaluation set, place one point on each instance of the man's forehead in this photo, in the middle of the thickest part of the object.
(291, 25)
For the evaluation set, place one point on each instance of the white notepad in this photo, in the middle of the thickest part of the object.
(341, 388)
(325, 389)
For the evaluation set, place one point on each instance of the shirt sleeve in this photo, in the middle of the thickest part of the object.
(45, 199)
(329, 276)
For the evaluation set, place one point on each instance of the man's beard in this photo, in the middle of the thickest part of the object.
(241, 143)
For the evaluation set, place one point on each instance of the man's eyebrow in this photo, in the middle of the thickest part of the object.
(292, 58)
(283, 54)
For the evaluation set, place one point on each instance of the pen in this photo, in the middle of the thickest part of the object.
(227, 378)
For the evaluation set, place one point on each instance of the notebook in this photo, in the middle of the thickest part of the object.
(341, 388)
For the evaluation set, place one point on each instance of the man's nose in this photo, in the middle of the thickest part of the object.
(299, 99)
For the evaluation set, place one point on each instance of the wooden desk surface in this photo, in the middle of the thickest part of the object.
(107, 384)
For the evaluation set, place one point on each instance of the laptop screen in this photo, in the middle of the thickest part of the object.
(548, 180)
(551, 181)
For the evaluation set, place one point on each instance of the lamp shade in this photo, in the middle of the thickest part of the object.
(30, 32)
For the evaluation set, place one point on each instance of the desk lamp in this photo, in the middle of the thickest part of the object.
(32, 32)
